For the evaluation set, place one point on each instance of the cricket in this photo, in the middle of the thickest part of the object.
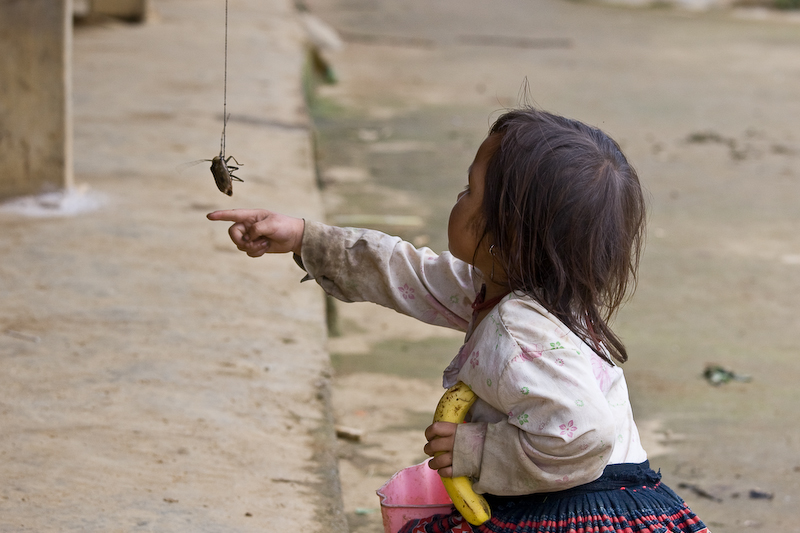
(223, 172)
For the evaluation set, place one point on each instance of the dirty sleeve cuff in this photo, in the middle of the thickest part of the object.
(299, 262)
(468, 449)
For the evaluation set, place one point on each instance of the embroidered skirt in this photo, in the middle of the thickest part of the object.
(627, 498)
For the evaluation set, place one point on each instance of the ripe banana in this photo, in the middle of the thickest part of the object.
(453, 407)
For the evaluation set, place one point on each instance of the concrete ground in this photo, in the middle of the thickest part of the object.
(153, 377)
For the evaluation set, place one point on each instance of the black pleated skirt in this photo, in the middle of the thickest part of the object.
(627, 498)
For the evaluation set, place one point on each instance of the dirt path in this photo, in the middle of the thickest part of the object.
(704, 105)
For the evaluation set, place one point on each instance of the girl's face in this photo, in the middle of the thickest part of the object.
(463, 233)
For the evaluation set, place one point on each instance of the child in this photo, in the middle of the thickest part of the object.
(543, 242)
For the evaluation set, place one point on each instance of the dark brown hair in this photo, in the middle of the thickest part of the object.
(565, 212)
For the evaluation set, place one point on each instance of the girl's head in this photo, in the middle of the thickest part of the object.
(563, 213)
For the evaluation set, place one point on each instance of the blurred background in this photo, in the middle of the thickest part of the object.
(378, 131)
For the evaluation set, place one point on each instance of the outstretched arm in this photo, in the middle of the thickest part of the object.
(356, 265)
(258, 231)
(362, 265)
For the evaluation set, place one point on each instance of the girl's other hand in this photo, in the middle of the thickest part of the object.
(258, 231)
(441, 438)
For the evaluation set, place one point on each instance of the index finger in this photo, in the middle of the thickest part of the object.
(440, 429)
(232, 215)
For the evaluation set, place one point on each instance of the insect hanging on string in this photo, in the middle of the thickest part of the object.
(223, 171)
(221, 168)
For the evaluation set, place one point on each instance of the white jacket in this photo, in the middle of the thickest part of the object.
(551, 413)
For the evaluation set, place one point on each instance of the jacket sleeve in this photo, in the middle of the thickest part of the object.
(552, 427)
(356, 265)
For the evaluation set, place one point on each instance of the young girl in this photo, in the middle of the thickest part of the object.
(543, 242)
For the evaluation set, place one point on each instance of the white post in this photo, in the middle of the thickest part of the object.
(35, 96)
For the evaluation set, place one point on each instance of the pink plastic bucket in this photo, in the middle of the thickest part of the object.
(414, 492)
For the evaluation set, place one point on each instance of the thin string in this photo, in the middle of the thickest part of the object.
(224, 90)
